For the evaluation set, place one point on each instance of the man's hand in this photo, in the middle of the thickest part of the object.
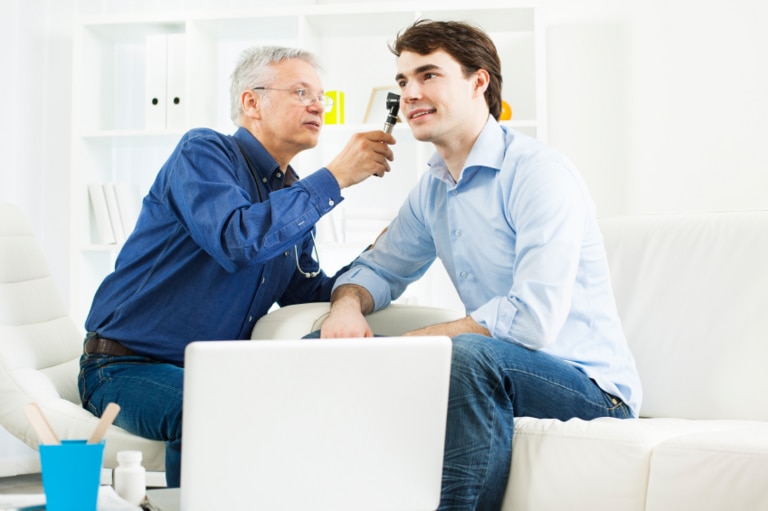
(364, 155)
(349, 304)
(465, 325)
(345, 325)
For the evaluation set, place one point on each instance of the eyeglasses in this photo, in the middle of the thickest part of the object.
(304, 96)
(312, 274)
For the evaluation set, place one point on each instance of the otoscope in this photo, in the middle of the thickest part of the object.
(393, 105)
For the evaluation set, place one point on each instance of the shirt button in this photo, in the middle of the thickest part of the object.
(279, 174)
(250, 319)
(285, 253)
(263, 280)
(330, 202)
(458, 234)
(463, 275)
(454, 193)
(263, 179)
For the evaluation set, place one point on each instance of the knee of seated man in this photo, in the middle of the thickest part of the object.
(474, 352)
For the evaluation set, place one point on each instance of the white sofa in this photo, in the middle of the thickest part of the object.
(692, 293)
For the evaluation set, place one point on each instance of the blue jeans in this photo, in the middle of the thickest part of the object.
(492, 382)
(150, 397)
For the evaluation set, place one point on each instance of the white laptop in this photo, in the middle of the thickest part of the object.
(320, 424)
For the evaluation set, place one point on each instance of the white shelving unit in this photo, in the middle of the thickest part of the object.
(110, 141)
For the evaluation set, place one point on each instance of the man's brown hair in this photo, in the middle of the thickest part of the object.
(472, 48)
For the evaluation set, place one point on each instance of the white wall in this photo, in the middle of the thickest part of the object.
(704, 119)
(35, 95)
(660, 103)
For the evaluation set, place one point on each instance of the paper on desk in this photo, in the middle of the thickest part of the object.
(108, 501)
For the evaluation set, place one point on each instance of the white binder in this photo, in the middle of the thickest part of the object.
(156, 65)
(129, 204)
(114, 212)
(101, 213)
(176, 92)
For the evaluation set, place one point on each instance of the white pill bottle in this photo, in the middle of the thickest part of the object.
(130, 478)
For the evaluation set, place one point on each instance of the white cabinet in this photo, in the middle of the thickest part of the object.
(118, 136)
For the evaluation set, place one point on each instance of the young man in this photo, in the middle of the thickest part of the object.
(224, 233)
(515, 227)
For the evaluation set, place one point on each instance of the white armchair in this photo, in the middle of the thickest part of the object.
(40, 348)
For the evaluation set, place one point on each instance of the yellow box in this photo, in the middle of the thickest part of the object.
(335, 114)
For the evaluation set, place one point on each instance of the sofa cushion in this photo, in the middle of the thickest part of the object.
(691, 294)
(604, 462)
(711, 470)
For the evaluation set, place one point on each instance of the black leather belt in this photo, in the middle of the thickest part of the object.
(102, 346)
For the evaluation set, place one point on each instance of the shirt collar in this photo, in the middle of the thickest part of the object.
(488, 151)
(263, 163)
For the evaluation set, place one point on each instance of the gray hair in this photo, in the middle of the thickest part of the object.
(254, 69)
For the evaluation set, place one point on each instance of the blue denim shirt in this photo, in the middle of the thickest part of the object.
(519, 238)
(209, 255)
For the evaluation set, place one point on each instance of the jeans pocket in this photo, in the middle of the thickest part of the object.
(616, 407)
(90, 378)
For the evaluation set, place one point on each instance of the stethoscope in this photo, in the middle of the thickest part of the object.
(311, 274)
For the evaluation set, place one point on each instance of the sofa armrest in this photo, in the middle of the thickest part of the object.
(296, 321)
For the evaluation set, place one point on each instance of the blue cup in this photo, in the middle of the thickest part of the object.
(71, 475)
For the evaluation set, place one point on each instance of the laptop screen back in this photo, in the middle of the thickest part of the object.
(323, 424)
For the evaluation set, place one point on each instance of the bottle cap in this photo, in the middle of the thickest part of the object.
(128, 456)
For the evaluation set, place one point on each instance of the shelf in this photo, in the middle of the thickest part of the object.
(94, 247)
(132, 134)
(281, 27)
(487, 17)
(111, 142)
(359, 24)
(120, 30)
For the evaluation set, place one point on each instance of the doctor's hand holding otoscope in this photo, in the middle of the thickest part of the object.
(354, 164)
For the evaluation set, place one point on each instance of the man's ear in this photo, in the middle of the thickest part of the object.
(482, 78)
(251, 103)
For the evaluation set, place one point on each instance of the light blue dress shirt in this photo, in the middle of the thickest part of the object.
(519, 238)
